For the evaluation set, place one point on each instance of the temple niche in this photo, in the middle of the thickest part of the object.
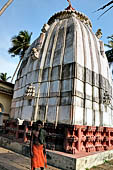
(69, 74)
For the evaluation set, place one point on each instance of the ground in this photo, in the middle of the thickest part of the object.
(13, 161)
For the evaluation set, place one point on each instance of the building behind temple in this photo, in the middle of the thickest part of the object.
(6, 95)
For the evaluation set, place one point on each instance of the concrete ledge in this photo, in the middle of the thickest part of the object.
(62, 160)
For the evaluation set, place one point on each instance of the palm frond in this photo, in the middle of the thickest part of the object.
(105, 12)
(109, 3)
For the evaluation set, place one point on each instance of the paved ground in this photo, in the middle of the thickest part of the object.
(108, 165)
(12, 161)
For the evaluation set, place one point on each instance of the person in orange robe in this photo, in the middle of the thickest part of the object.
(38, 147)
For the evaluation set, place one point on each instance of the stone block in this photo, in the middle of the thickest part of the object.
(13, 104)
(43, 89)
(88, 89)
(18, 104)
(22, 73)
(97, 80)
(102, 107)
(68, 55)
(79, 72)
(68, 71)
(57, 59)
(64, 114)
(78, 88)
(41, 112)
(42, 101)
(54, 86)
(107, 118)
(30, 68)
(19, 93)
(88, 104)
(66, 94)
(95, 106)
(67, 85)
(88, 76)
(95, 92)
(51, 114)
(16, 115)
(35, 75)
(89, 117)
(55, 75)
(77, 115)
(29, 78)
(66, 100)
(35, 65)
(101, 82)
(16, 85)
(96, 118)
(45, 74)
(77, 101)
(24, 81)
(53, 101)
(20, 83)
(27, 113)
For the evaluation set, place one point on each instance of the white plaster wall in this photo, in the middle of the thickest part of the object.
(77, 115)
(51, 114)
(27, 113)
(97, 118)
(89, 118)
(64, 114)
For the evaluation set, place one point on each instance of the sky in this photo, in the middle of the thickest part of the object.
(31, 15)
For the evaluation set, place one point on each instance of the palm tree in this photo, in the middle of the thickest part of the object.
(3, 76)
(20, 44)
(5, 6)
(110, 42)
(106, 5)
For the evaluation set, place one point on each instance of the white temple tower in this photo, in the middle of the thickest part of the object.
(64, 77)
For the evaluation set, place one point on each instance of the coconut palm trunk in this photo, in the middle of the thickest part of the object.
(16, 69)
(20, 44)
(5, 6)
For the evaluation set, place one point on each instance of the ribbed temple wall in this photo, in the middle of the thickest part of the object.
(70, 78)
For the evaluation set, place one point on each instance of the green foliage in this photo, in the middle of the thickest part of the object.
(109, 5)
(20, 43)
(106, 161)
(87, 168)
(110, 42)
(3, 76)
(94, 167)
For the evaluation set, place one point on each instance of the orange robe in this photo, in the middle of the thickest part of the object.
(39, 159)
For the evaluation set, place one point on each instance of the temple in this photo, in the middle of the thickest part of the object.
(64, 80)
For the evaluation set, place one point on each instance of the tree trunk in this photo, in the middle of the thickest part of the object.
(16, 69)
(5, 6)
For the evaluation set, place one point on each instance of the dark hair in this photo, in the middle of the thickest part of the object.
(39, 122)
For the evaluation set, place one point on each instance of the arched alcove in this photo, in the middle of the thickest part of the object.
(1, 108)
(1, 114)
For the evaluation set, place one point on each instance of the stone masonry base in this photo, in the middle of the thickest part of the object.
(60, 159)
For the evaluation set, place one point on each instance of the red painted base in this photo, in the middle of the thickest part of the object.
(67, 138)
(79, 139)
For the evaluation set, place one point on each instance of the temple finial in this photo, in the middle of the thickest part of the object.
(69, 2)
(70, 6)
